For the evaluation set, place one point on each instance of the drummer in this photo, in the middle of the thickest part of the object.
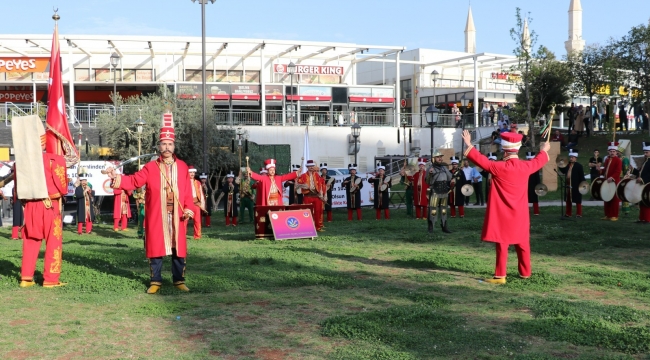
(534, 179)
(611, 172)
(643, 177)
(574, 176)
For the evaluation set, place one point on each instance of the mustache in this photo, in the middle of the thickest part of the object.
(165, 151)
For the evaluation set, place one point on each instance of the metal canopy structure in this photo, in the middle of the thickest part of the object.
(151, 45)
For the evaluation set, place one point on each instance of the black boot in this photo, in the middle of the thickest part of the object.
(445, 229)
(430, 227)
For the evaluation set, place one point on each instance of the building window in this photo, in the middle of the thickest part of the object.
(405, 89)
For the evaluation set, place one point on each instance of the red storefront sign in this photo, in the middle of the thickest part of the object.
(310, 69)
(19, 96)
(245, 92)
(372, 99)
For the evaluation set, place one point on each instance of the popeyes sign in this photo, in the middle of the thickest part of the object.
(310, 69)
(24, 64)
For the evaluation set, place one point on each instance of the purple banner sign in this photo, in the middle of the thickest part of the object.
(292, 224)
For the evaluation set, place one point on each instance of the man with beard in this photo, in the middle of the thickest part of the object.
(312, 186)
(169, 205)
(611, 172)
(84, 195)
(420, 190)
(268, 187)
(574, 176)
(595, 163)
(438, 179)
(206, 189)
(230, 204)
(456, 197)
(199, 201)
(533, 180)
(246, 195)
(353, 185)
(381, 184)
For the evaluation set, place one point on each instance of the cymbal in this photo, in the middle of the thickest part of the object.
(584, 188)
(541, 189)
(467, 190)
(561, 161)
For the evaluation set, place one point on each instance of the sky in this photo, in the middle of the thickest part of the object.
(437, 24)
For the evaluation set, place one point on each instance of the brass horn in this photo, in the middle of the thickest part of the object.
(541, 189)
(584, 188)
(561, 161)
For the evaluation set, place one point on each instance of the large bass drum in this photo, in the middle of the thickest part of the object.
(620, 189)
(645, 195)
(634, 192)
(603, 190)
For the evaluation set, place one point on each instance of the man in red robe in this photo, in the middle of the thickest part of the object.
(269, 186)
(611, 172)
(121, 209)
(255, 186)
(420, 188)
(314, 190)
(169, 205)
(43, 221)
(199, 201)
(507, 220)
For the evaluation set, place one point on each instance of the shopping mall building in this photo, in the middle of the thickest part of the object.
(335, 85)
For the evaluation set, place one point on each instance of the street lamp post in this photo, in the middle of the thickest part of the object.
(432, 119)
(205, 134)
(115, 59)
(463, 103)
(356, 131)
(139, 125)
(291, 68)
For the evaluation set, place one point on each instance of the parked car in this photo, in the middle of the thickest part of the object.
(338, 171)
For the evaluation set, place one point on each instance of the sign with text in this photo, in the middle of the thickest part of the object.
(292, 224)
(338, 192)
(25, 64)
(310, 69)
(19, 96)
(99, 182)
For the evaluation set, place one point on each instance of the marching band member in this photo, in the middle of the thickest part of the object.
(206, 189)
(456, 197)
(507, 219)
(268, 187)
(18, 215)
(611, 172)
(574, 176)
(643, 177)
(329, 185)
(420, 190)
(139, 195)
(231, 189)
(246, 195)
(85, 196)
(625, 168)
(121, 209)
(438, 179)
(488, 177)
(295, 196)
(256, 186)
(314, 192)
(199, 201)
(408, 191)
(381, 195)
(43, 218)
(533, 180)
(169, 204)
(353, 184)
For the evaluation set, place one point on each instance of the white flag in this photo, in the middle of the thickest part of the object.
(305, 151)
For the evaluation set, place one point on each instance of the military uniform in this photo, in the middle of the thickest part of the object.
(574, 176)
(352, 192)
(246, 197)
(438, 178)
(381, 196)
(329, 184)
(456, 197)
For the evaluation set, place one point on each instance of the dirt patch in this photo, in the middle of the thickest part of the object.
(271, 354)
(355, 308)
(197, 336)
(20, 322)
(245, 318)
(20, 355)
(72, 355)
(262, 303)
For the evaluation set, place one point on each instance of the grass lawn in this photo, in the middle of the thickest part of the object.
(361, 290)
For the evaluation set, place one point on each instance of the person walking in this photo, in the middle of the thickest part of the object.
(507, 220)
(169, 205)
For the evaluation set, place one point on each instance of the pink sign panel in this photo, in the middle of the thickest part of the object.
(292, 224)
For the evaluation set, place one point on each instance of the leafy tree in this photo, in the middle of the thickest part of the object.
(588, 71)
(525, 42)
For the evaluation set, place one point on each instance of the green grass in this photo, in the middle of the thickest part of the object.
(361, 290)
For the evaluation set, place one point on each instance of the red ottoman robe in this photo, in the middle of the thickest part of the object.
(264, 185)
(507, 220)
(156, 244)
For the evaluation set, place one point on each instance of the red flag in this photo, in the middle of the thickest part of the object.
(58, 138)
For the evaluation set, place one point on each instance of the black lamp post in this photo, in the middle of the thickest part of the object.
(291, 68)
(139, 125)
(356, 131)
(463, 103)
(432, 113)
(205, 133)
(115, 60)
